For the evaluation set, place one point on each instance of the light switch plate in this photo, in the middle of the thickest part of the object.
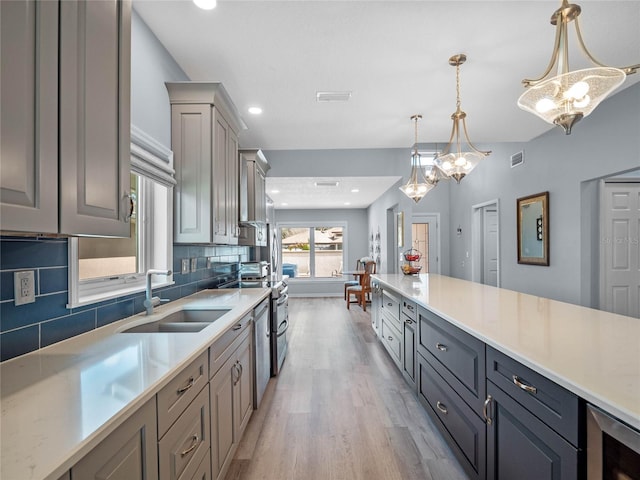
(24, 287)
(185, 266)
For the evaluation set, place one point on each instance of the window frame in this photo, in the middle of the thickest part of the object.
(153, 163)
(312, 266)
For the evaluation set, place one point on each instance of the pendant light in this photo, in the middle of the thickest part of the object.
(455, 161)
(417, 186)
(569, 96)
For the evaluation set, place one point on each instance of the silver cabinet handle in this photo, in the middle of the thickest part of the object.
(524, 386)
(235, 369)
(189, 384)
(241, 371)
(237, 327)
(442, 407)
(441, 347)
(485, 409)
(408, 321)
(390, 304)
(194, 443)
(389, 338)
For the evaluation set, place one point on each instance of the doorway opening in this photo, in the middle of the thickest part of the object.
(425, 237)
(485, 240)
(392, 240)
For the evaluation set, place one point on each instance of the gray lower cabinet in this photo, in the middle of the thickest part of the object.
(65, 128)
(184, 446)
(392, 339)
(129, 452)
(204, 470)
(519, 445)
(231, 392)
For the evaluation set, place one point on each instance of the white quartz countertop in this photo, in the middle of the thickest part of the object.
(592, 353)
(61, 401)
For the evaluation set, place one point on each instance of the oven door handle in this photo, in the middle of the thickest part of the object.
(283, 299)
(281, 331)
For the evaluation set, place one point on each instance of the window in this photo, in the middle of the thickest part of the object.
(102, 268)
(312, 251)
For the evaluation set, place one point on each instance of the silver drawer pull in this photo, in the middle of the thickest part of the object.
(485, 410)
(194, 444)
(442, 407)
(441, 347)
(389, 338)
(390, 304)
(237, 327)
(408, 321)
(181, 390)
(524, 386)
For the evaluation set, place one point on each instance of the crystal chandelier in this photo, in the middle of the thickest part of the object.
(459, 162)
(417, 186)
(569, 96)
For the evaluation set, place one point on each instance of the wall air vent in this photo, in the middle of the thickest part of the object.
(326, 184)
(517, 159)
(333, 96)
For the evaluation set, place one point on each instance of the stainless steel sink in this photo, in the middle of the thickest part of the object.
(180, 321)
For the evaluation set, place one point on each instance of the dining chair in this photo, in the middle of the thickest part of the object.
(364, 287)
(352, 283)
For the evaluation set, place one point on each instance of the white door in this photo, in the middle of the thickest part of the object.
(490, 246)
(620, 249)
(424, 237)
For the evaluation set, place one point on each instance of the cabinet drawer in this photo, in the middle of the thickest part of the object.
(551, 403)
(391, 320)
(463, 429)
(390, 304)
(179, 392)
(392, 340)
(410, 309)
(227, 343)
(204, 470)
(457, 356)
(187, 442)
(521, 446)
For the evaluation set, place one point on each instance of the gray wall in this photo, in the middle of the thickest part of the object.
(151, 66)
(356, 245)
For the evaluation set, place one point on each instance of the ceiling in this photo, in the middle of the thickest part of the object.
(392, 55)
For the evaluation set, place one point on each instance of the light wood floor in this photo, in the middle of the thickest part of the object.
(339, 409)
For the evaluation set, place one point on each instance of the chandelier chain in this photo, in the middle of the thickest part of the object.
(458, 86)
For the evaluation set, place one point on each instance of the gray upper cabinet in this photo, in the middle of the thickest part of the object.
(90, 161)
(95, 124)
(204, 139)
(29, 125)
(253, 195)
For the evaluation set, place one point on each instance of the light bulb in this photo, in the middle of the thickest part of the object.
(544, 105)
(583, 102)
(577, 91)
(460, 161)
(447, 165)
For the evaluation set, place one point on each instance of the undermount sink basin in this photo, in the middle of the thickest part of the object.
(181, 321)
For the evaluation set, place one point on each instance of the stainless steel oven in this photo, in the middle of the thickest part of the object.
(279, 326)
(613, 448)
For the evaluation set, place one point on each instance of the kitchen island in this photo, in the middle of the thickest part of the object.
(592, 353)
(60, 402)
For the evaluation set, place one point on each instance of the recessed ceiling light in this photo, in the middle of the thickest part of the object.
(255, 110)
(354, 190)
(333, 96)
(347, 203)
(284, 204)
(205, 4)
(275, 191)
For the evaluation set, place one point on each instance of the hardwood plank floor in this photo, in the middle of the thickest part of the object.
(339, 409)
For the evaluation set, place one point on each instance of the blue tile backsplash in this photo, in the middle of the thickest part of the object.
(26, 328)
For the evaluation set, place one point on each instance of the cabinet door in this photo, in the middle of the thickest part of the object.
(261, 197)
(409, 351)
(233, 179)
(244, 386)
(29, 123)
(95, 71)
(222, 419)
(129, 452)
(219, 207)
(521, 446)
(191, 144)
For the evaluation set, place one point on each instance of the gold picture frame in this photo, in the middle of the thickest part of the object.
(533, 229)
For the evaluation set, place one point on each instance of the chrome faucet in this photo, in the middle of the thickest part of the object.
(150, 301)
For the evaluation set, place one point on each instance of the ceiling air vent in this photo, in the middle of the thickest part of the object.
(333, 96)
(326, 184)
(517, 159)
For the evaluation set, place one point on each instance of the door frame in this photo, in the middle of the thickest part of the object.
(423, 218)
(477, 239)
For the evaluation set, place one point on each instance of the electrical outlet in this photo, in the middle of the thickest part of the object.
(24, 286)
(185, 266)
(194, 264)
